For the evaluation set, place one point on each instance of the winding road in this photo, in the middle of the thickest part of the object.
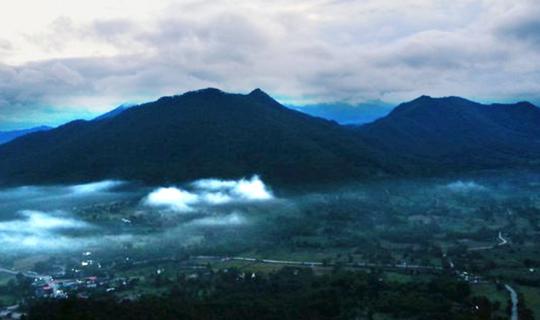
(503, 240)
(500, 238)
(403, 266)
(515, 302)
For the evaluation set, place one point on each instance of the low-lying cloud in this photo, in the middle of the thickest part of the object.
(233, 219)
(101, 186)
(39, 230)
(209, 192)
(70, 218)
(39, 222)
(465, 186)
(172, 198)
(63, 197)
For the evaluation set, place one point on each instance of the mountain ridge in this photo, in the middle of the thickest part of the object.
(459, 133)
(204, 133)
(114, 112)
(209, 133)
(8, 136)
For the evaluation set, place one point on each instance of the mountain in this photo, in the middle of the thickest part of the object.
(7, 136)
(113, 113)
(345, 113)
(205, 133)
(210, 133)
(452, 133)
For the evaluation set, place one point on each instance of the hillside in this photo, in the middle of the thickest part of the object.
(7, 136)
(454, 134)
(205, 133)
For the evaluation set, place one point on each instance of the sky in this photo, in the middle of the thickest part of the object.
(61, 60)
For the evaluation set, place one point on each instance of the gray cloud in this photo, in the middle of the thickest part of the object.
(520, 24)
(316, 51)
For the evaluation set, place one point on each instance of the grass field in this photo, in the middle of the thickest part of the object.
(28, 263)
(8, 300)
(491, 292)
(4, 278)
(531, 295)
(405, 278)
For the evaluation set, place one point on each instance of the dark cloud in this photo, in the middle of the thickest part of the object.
(525, 30)
(521, 25)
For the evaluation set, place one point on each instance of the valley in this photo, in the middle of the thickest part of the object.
(270, 160)
(480, 231)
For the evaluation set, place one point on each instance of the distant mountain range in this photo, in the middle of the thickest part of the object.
(210, 133)
(7, 136)
(344, 113)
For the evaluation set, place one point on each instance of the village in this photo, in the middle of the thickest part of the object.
(94, 278)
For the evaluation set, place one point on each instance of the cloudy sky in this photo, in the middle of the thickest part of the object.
(65, 59)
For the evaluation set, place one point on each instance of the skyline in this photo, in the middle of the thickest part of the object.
(78, 59)
(342, 112)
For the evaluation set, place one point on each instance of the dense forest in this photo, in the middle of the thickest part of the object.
(289, 293)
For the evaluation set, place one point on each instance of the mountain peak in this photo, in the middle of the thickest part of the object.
(425, 102)
(205, 92)
(264, 97)
(202, 134)
(525, 104)
(426, 98)
(209, 90)
(454, 132)
(258, 92)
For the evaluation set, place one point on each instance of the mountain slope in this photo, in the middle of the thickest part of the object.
(206, 133)
(454, 134)
(114, 112)
(7, 136)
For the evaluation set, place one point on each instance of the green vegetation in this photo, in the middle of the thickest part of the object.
(417, 240)
(289, 293)
(531, 297)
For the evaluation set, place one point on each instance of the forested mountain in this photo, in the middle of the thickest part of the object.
(205, 133)
(210, 133)
(7, 136)
(453, 133)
